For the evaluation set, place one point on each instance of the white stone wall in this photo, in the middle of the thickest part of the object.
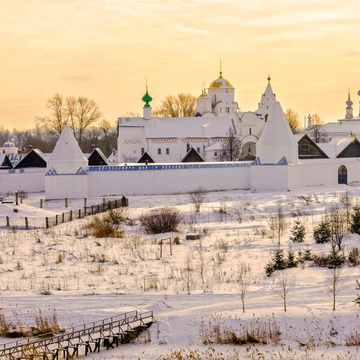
(168, 179)
(66, 186)
(29, 180)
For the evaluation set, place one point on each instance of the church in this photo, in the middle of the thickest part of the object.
(167, 140)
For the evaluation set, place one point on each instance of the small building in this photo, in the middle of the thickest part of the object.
(9, 148)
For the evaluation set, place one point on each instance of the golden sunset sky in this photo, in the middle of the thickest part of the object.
(104, 49)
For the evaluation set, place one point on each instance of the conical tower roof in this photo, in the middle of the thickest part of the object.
(277, 139)
(67, 156)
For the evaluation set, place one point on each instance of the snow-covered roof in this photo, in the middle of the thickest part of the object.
(15, 158)
(277, 139)
(67, 148)
(344, 126)
(113, 158)
(181, 127)
(9, 144)
(215, 147)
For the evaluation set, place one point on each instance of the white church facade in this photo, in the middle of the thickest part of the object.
(168, 140)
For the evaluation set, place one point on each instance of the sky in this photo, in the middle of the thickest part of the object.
(105, 49)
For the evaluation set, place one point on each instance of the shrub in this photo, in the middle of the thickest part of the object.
(298, 232)
(197, 197)
(322, 233)
(108, 225)
(354, 257)
(161, 220)
(320, 260)
(269, 269)
(355, 221)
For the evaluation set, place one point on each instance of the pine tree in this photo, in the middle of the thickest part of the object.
(298, 232)
(336, 259)
(290, 261)
(357, 299)
(322, 232)
(355, 221)
(308, 255)
(278, 260)
(269, 268)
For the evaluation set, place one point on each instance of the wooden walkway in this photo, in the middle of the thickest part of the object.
(81, 340)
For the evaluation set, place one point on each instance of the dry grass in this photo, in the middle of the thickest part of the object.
(263, 330)
(108, 224)
(40, 324)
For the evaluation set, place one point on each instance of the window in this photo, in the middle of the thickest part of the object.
(159, 151)
(304, 147)
(198, 150)
(215, 153)
(249, 149)
(187, 147)
(167, 151)
(249, 131)
(227, 110)
(142, 151)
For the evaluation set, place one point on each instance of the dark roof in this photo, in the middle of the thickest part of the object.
(5, 162)
(146, 158)
(351, 150)
(193, 156)
(34, 159)
(312, 152)
(97, 158)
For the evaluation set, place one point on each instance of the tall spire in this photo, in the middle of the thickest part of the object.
(269, 77)
(349, 108)
(220, 69)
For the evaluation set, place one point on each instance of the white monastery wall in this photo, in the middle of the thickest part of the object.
(269, 178)
(66, 186)
(167, 179)
(29, 180)
(325, 171)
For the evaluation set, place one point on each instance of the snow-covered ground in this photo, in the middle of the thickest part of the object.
(89, 278)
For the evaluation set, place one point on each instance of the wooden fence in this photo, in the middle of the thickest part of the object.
(49, 221)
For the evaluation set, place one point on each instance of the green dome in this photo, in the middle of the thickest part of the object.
(146, 98)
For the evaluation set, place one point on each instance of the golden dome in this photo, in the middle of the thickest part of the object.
(220, 82)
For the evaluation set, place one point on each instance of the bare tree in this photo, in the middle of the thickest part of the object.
(335, 280)
(278, 223)
(338, 226)
(284, 284)
(197, 198)
(347, 201)
(87, 113)
(231, 147)
(182, 105)
(202, 263)
(57, 118)
(317, 133)
(188, 269)
(293, 119)
(244, 281)
(105, 127)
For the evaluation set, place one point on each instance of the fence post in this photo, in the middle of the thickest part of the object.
(66, 202)
(92, 209)
(170, 247)
(26, 223)
(79, 213)
(47, 222)
(41, 203)
(16, 198)
(56, 219)
(63, 217)
(85, 202)
(85, 211)
(7, 221)
(70, 215)
(161, 244)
